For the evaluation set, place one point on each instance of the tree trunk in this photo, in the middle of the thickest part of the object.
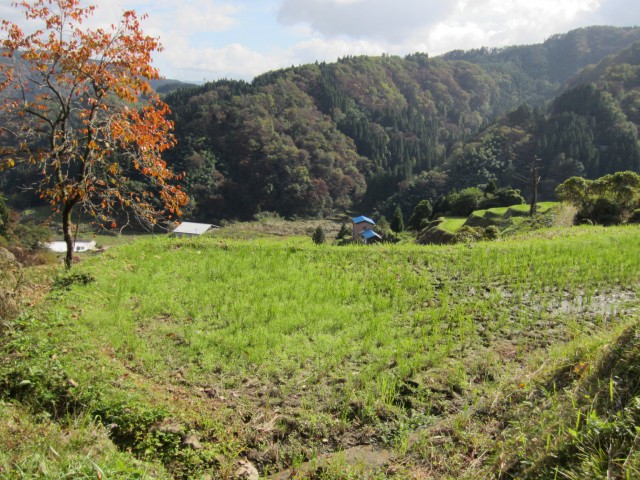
(66, 231)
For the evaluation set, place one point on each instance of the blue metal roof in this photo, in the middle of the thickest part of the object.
(362, 218)
(369, 234)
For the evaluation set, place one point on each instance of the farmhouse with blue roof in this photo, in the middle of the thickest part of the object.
(363, 230)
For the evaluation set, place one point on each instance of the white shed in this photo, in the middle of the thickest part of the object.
(189, 229)
(80, 246)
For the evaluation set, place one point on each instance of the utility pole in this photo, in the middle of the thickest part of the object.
(535, 180)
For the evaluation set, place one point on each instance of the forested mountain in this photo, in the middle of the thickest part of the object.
(165, 85)
(618, 75)
(309, 139)
(303, 140)
(370, 132)
(590, 130)
(551, 63)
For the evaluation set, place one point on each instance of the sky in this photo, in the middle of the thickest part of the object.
(207, 40)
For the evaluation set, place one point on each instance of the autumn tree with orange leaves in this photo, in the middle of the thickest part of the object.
(76, 108)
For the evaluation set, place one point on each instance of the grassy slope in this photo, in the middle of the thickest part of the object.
(507, 218)
(514, 210)
(79, 448)
(279, 351)
(452, 224)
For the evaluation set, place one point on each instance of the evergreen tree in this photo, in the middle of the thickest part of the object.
(318, 236)
(344, 232)
(397, 221)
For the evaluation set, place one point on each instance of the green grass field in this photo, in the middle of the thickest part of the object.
(452, 224)
(461, 361)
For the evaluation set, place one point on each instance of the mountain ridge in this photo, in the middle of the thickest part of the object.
(361, 132)
(310, 139)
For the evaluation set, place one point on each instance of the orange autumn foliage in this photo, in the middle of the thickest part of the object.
(77, 108)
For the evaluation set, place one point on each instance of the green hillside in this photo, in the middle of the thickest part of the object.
(488, 224)
(367, 133)
(511, 359)
(321, 137)
(589, 130)
(504, 215)
(618, 75)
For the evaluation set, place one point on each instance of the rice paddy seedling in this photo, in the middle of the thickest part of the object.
(281, 350)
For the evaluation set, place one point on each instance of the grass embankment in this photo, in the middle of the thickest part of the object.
(503, 220)
(34, 446)
(452, 224)
(461, 361)
(498, 214)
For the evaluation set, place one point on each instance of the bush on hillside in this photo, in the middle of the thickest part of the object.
(422, 212)
(609, 200)
(504, 197)
(397, 222)
(464, 202)
(467, 234)
(459, 204)
(491, 188)
(4, 217)
(602, 211)
(318, 236)
(344, 232)
(491, 232)
(31, 236)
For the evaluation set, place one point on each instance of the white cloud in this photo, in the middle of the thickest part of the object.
(319, 49)
(192, 16)
(242, 38)
(371, 19)
(181, 27)
(210, 63)
(618, 12)
(204, 17)
(499, 23)
(440, 26)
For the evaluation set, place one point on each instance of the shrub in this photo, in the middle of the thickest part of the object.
(467, 234)
(504, 197)
(606, 201)
(266, 216)
(318, 236)
(635, 216)
(602, 211)
(32, 236)
(344, 232)
(4, 217)
(491, 188)
(491, 232)
(421, 212)
(397, 222)
(463, 203)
